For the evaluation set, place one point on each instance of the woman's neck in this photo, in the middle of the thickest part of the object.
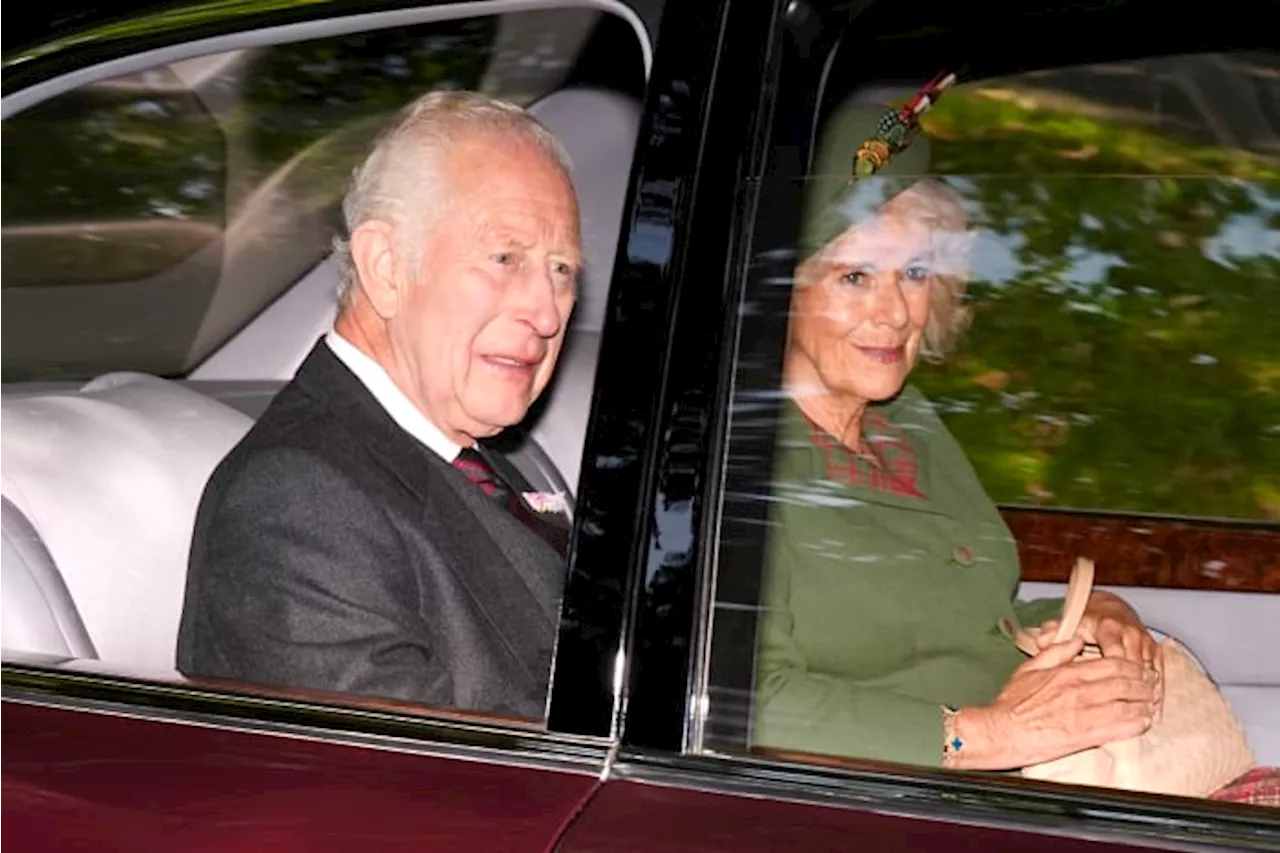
(839, 415)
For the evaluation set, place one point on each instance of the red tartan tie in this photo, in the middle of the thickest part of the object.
(477, 469)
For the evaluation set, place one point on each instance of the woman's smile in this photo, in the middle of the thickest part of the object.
(884, 355)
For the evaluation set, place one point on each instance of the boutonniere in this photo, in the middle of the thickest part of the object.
(546, 502)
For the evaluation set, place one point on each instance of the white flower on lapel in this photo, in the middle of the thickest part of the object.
(546, 502)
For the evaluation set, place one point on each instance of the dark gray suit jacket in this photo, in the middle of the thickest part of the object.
(333, 551)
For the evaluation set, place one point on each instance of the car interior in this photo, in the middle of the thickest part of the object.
(101, 479)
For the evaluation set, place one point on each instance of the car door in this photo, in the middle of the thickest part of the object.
(169, 193)
(685, 777)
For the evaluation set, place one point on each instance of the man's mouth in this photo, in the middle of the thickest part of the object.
(512, 363)
(884, 355)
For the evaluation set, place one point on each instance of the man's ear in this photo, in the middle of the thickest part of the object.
(373, 254)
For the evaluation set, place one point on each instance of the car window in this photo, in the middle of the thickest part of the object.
(1142, 264)
(147, 217)
(1061, 316)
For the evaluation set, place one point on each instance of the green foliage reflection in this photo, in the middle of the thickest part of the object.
(1125, 352)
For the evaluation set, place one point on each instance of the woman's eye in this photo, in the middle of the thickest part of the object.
(504, 258)
(854, 277)
(916, 273)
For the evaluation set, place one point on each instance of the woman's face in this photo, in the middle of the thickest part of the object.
(861, 306)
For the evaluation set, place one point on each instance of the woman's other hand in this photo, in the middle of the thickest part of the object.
(1115, 628)
(1054, 705)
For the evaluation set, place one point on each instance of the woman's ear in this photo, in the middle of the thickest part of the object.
(373, 255)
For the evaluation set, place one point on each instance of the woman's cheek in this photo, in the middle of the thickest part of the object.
(839, 312)
(920, 306)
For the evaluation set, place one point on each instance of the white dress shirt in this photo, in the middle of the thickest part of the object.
(391, 398)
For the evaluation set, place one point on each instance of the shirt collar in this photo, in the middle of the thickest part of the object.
(886, 462)
(391, 398)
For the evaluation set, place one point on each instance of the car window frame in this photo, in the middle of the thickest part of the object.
(132, 53)
(672, 755)
(93, 685)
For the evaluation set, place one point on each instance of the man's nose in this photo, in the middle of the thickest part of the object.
(537, 305)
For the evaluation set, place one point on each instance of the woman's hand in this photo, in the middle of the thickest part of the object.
(1114, 627)
(1054, 705)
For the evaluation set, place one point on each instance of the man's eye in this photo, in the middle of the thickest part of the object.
(565, 270)
(917, 273)
(854, 277)
(504, 258)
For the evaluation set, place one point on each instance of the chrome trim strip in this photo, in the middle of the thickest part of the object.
(286, 33)
(349, 726)
(969, 799)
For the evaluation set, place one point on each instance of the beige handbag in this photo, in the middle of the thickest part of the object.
(1196, 745)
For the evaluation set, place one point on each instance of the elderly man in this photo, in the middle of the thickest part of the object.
(358, 539)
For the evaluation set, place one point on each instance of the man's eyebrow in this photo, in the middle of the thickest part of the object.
(507, 238)
(572, 256)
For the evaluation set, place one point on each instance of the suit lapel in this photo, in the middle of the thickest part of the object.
(324, 377)
(500, 563)
(558, 521)
(517, 552)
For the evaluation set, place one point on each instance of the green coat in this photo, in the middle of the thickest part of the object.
(879, 608)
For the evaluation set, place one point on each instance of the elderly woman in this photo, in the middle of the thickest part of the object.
(889, 621)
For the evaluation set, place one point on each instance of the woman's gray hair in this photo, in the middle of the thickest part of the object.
(941, 209)
(399, 182)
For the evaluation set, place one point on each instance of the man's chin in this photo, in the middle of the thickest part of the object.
(491, 420)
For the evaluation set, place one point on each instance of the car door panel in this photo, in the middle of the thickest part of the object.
(84, 780)
(1148, 550)
(636, 817)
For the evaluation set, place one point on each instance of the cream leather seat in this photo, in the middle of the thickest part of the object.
(36, 610)
(107, 480)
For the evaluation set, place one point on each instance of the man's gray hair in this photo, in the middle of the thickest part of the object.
(399, 181)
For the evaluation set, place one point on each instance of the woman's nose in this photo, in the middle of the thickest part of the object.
(889, 302)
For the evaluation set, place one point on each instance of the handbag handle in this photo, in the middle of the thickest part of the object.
(1079, 588)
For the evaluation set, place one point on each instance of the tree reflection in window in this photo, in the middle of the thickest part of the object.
(1125, 352)
(147, 217)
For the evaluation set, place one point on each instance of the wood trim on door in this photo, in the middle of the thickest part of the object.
(1146, 551)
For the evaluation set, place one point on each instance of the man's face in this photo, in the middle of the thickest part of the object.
(480, 325)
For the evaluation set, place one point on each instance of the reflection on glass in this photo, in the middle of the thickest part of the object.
(888, 573)
(147, 217)
(1125, 345)
(1119, 268)
(1120, 357)
(111, 183)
